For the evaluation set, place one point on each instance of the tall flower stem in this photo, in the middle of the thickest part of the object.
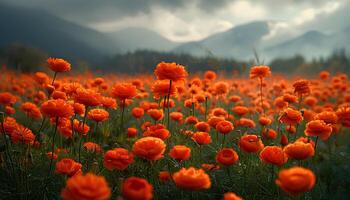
(53, 146)
(122, 117)
(168, 107)
(54, 78)
(7, 148)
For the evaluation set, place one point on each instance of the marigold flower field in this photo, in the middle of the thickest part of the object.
(173, 135)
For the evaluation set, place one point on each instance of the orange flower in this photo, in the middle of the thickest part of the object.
(245, 122)
(202, 126)
(87, 186)
(269, 133)
(108, 102)
(301, 87)
(156, 114)
(221, 88)
(57, 108)
(158, 131)
(296, 180)
(164, 176)
(7, 98)
(80, 127)
(291, 117)
(240, 110)
(10, 110)
(327, 116)
(150, 148)
(250, 143)
(210, 75)
(23, 135)
(324, 75)
(124, 91)
(118, 158)
(192, 179)
(98, 115)
(87, 97)
(170, 71)
(210, 167)
(68, 167)
(318, 128)
(41, 78)
(135, 188)
(176, 116)
(58, 65)
(180, 152)
(137, 112)
(273, 155)
(343, 114)
(265, 121)
(59, 95)
(191, 120)
(161, 88)
(260, 71)
(231, 196)
(132, 132)
(299, 150)
(92, 147)
(79, 109)
(201, 138)
(227, 156)
(224, 127)
(213, 121)
(31, 110)
(284, 140)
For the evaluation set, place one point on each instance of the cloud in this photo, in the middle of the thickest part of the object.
(188, 20)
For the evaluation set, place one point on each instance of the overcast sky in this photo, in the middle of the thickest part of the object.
(189, 20)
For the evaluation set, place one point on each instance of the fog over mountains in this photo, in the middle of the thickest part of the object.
(60, 37)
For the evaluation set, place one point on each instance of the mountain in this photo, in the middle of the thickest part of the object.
(311, 44)
(131, 39)
(56, 36)
(238, 42)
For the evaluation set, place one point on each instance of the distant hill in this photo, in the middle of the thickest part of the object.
(131, 39)
(56, 36)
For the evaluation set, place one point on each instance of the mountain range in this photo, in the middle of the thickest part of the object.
(63, 38)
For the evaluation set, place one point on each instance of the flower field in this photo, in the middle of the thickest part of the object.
(173, 135)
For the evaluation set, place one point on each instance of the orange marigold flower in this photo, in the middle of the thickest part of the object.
(158, 131)
(10, 110)
(180, 152)
(31, 110)
(296, 180)
(41, 78)
(23, 135)
(92, 147)
(124, 91)
(273, 155)
(57, 108)
(87, 97)
(260, 71)
(58, 65)
(289, 98)
(161, 88)
(291, 117)
(132, 132)
(265, 121)
(201, 138)
(150, 148)
(299, 150)
(7, 98)
(250, 143)
(245, 122)
(170, 71)
(176, 116)
(213, 121)
(156, 114)
(87, 186)
(118, 158)
(210, 75)
(221, 88)
(69, 167)
(79, 109)
(324, 75)
(240, 110)
(210, 167)
(137, 112)
(327, 116)
(343, 114)
(80, 127)
(191, 120)
(202, 126)
(135, 188)
(192, 179)
(284, 140)
(301, 87)
(231, 196)
(224, 127)
(98, 115)
(164, 176)
(108, 102)
(59, 95)
(227, 156)
(269, 133)
(318, 128)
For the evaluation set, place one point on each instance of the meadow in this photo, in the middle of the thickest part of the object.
(173, 135)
